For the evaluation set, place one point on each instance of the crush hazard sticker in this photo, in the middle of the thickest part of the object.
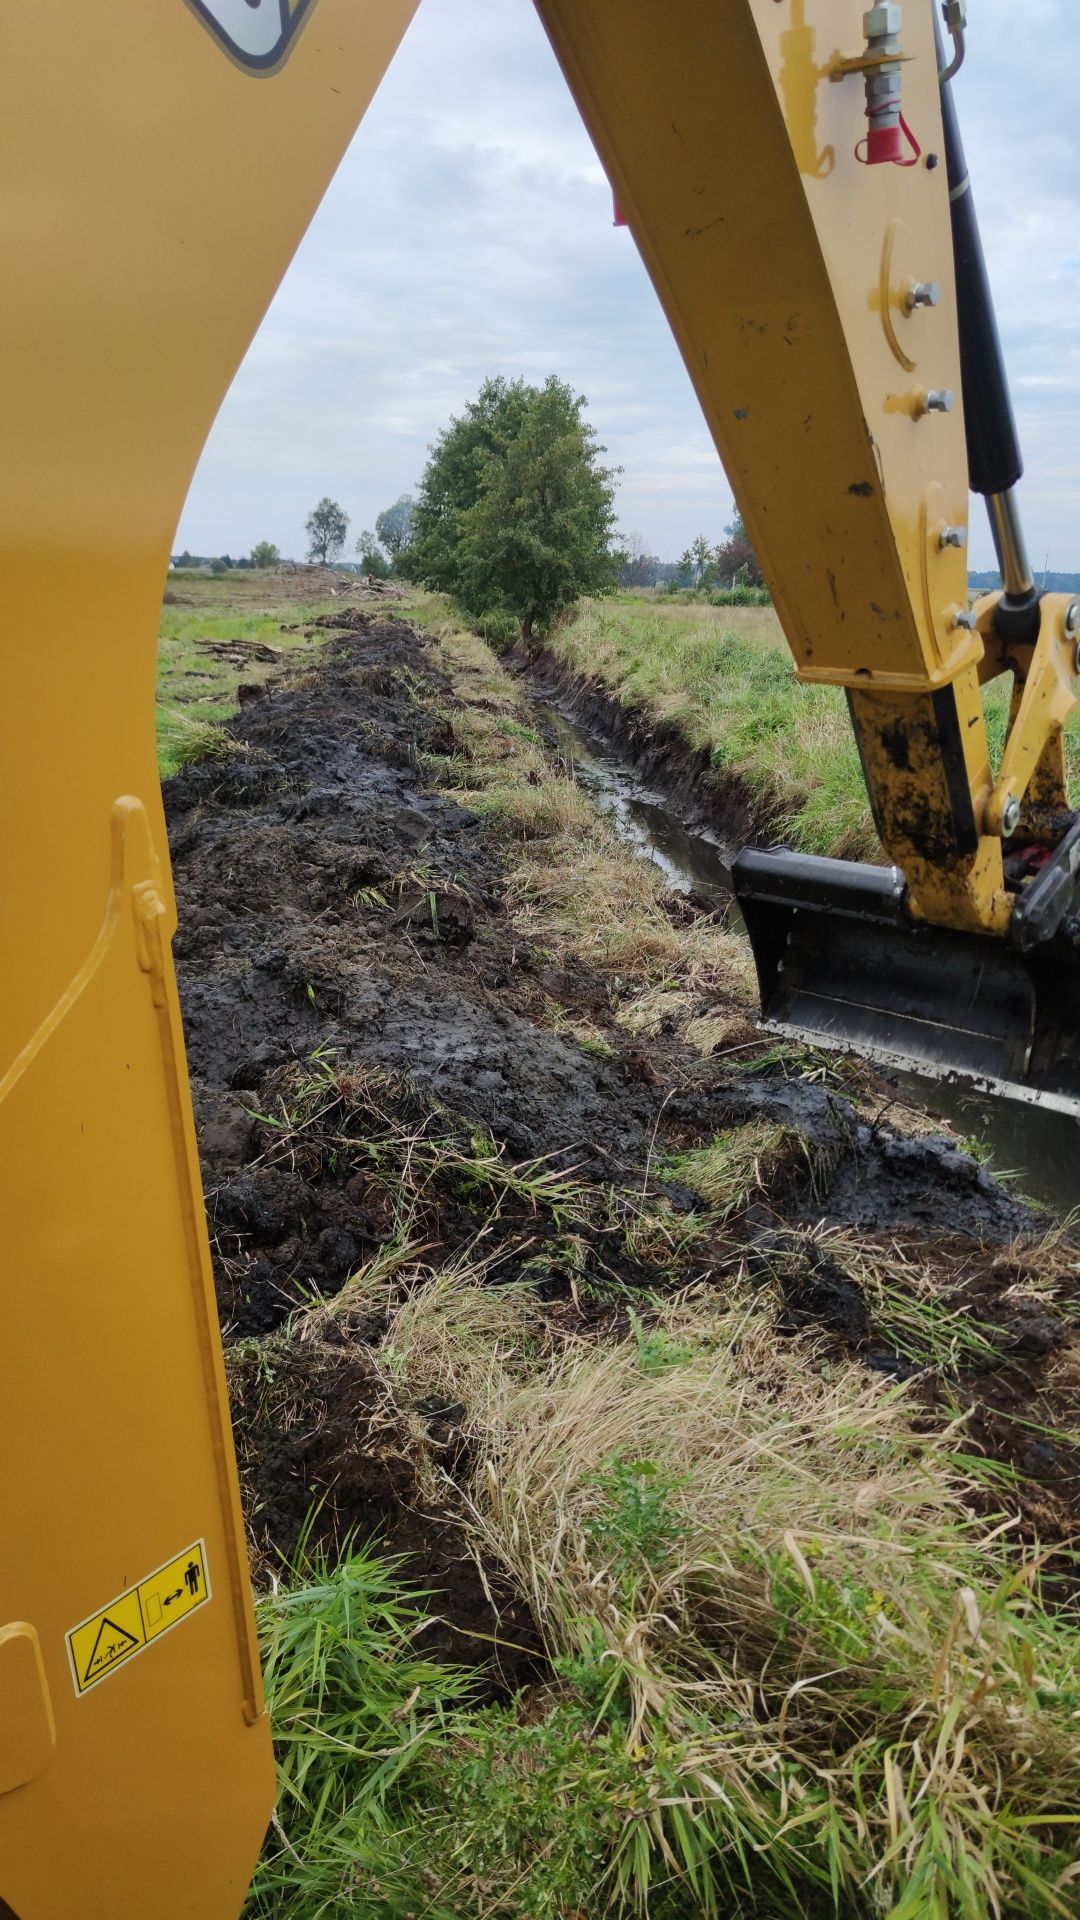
(109, 1638)
(257, 34)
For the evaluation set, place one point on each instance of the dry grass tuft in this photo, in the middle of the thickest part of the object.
(840, 1677)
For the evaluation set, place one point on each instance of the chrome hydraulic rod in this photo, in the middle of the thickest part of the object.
(1010, 545)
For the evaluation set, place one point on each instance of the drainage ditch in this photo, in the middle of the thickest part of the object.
(1041, 1151)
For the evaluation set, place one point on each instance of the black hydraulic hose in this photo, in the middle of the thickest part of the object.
(995, 463)
(994, 459)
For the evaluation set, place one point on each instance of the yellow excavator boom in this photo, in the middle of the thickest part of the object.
(162, 162)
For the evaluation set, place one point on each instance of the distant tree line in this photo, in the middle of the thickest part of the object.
(731, 563)
(380, 552)
(514, 519)
(990, 582)
(264, 554)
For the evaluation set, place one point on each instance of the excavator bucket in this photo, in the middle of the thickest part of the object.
(842, 964)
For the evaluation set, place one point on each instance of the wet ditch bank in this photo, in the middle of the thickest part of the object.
(403, 1070)
(680, 815)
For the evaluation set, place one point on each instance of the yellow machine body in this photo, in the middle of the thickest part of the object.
(161, 163)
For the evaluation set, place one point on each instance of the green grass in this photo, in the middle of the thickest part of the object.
(196, 689)
(354, 1705)
(789, 1672)
(726, 679)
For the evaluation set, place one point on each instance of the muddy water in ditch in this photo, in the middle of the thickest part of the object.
(1040, 1150)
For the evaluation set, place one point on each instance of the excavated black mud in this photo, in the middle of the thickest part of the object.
(335, 903)
(880, 1179)
(282, 948)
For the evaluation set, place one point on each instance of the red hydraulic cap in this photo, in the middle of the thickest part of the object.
(619, 217)
(884, 146)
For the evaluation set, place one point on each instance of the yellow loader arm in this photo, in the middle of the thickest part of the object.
(163, 161)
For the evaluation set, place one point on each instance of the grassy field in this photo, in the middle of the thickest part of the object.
(217, 633)
(788, 1668)
(725, 677)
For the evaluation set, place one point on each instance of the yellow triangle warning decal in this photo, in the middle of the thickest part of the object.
(137, 1618)
(110, 1645)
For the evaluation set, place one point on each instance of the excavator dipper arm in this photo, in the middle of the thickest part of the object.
(793, 175)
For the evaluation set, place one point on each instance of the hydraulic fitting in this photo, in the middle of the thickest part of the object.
(884, 87)
(954, 14)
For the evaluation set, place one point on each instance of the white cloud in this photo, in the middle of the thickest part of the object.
(468, 232)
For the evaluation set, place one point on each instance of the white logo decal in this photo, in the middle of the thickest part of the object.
(257, 33)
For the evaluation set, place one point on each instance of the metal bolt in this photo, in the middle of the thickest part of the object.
(1010, 817)
(962, 618)
(938, 400)
(952, 537)
(884, 19)
(922, 293)
(1072, 618)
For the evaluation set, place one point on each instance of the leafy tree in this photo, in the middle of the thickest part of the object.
(265, 554)
(394, 527)
(515, 510)
(734, 554)
(697, 564)
(327, 527)
(219, 565)
(638, 567)
(372, 557)
(453, 479)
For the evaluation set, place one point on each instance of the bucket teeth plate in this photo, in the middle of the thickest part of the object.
(841, 964)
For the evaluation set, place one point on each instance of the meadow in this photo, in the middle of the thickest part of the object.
(724, 676)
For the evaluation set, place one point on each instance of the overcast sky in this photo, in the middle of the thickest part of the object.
(468, 232)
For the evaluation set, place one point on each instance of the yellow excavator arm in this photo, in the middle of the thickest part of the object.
(162, 162)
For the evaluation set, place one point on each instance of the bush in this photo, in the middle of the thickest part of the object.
(499, 627)
(740, 597)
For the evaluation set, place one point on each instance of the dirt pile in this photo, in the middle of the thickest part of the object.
(380, 1086)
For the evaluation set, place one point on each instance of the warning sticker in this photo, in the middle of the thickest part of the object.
(135, 1619)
